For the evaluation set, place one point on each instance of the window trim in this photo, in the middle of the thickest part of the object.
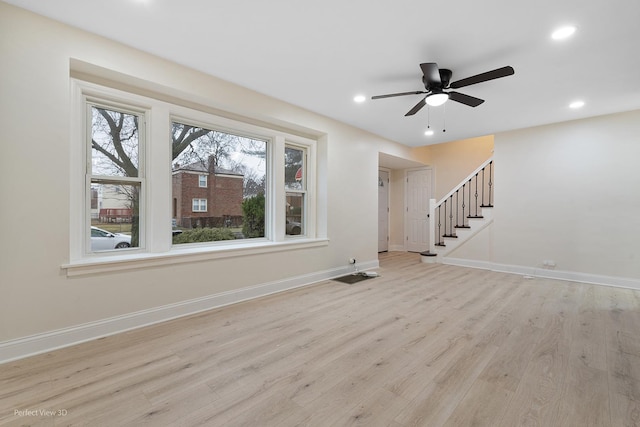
(157, 248)
(89, 101)
(303, 191)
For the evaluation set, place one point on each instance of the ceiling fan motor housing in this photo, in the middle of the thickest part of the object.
(445, 77)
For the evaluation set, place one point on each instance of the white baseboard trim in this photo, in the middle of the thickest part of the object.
(572, 276)
(41, 343)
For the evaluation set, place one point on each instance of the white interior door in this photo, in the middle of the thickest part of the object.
(383, 211)
(417, 209)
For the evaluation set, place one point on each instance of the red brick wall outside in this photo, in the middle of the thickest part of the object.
(226, 193)
(223, 194)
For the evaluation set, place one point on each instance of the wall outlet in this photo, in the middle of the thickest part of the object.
(352, 260)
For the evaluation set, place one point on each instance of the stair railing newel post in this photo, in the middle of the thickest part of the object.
(432, 222)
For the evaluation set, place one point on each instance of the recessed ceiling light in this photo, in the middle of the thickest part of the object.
(359, 98)
(563, 32)
(428, 132)
(576, 104)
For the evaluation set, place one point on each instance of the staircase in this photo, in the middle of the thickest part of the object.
(461, 214)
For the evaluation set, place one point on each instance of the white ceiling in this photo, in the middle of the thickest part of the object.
(319, 55)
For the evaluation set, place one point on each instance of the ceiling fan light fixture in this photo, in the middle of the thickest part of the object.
(436, 99)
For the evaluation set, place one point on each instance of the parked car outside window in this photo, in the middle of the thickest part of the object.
(102, 240)
(294, 228)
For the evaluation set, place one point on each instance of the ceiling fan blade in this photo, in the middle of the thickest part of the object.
(418, 92)
(431, 74)
(471, 101)
(416, 108)
(483, 77)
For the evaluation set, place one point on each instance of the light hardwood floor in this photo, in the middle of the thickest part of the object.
(422, 345)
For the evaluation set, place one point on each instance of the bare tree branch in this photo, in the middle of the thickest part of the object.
(116, 128)
(105, 152)
(182, 141)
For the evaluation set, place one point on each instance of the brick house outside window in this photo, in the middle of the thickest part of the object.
(223, 194)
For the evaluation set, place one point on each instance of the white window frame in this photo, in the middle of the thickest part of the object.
(302, 191)
(155, 229)
(200, 203)
(89, 102)
(203, 181)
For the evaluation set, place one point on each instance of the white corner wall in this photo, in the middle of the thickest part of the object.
(38, 298)
(568, 193)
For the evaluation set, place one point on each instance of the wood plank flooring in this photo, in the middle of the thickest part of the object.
(422, 345)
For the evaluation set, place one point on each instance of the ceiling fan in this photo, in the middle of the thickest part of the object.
(436, 80)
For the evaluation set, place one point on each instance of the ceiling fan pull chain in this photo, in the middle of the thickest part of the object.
(444, 118)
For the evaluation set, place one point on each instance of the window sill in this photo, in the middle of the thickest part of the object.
(115, 263)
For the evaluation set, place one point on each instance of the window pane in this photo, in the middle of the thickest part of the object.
(294, 174)
(295, 213)
(233, 169)
(114, 143)
(115, 218)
